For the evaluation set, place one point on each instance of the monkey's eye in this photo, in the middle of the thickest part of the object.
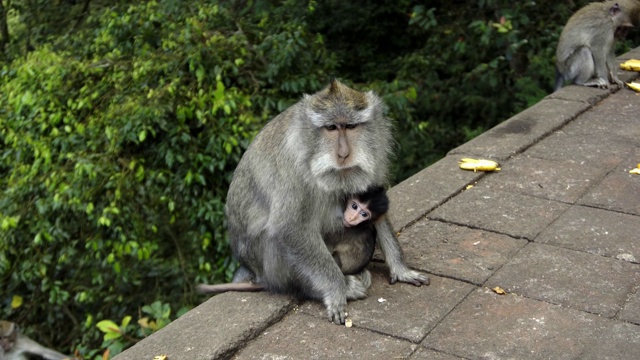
(364, 214)
(331, 127)
(354, 206)
(351, 126)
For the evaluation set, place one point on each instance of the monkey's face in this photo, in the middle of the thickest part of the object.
(351, 139)
(343, 158)
(355, 213)
(342, 138)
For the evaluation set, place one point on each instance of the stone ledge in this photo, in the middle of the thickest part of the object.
(516, 134)
(215, 329)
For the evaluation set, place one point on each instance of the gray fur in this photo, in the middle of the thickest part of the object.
(293, 166)
(585, 53)
(16, 346)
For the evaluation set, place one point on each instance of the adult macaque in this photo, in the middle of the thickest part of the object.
(585, 53)
(291, 181)
(352, 247)
(16, 346)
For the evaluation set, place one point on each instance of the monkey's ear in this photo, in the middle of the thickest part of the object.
(614, 9)
(334, 86)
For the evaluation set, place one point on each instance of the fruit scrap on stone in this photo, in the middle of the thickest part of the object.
(478, 165)
(634, 86)
(631, 65)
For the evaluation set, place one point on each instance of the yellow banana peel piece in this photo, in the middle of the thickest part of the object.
(631, 65)
(634, 86)
(635, 171)
(478, 165)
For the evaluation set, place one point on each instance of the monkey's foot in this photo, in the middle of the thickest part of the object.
(409, 276)
(597, 82)
(357, 285)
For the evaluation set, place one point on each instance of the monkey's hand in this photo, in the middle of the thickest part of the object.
(336, 310)
(618, 82)
(409, 276)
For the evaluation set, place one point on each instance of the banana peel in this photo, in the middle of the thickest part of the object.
(635, 171)
(478, 165)
(631, 65)
(634, 86)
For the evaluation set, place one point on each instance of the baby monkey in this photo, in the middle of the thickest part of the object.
(585, 53)
(352, 248)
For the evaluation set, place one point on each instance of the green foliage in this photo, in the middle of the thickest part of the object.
(119, 143)
(118, 337)
(121, 124)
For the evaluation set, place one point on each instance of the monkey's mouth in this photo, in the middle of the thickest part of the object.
(345, 223)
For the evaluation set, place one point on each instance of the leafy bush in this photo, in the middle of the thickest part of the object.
(120, 143)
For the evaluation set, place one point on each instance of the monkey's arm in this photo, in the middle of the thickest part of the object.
(399, 271)
(25, 345)
(319, 275)
(612, 67)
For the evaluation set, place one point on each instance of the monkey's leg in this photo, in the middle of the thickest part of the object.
(300, 262)
(354, 250)
(243, 275)
(394, 258)
(581, 70)
(357, 285)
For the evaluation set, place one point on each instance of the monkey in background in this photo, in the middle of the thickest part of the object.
(352, 248)
(17, 346)
(290, 183)
(585, 53)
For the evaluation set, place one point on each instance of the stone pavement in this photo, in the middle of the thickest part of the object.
(558, 228)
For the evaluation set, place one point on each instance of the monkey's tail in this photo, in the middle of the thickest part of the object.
(220, 288)
(559, 80)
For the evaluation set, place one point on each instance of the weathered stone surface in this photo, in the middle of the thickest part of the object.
(413, 198)
(400, 310)
(617, 341)
(213, 330)
(570, 146)
(457, 251)
(428, 354)
(586, 94)
(618, 115)
(631, 311)
(300, 336)
(618, 191)
(575, 279)
(491, 326)
(549, 179)
(596, 231)
(519, 216)
(522, 130)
